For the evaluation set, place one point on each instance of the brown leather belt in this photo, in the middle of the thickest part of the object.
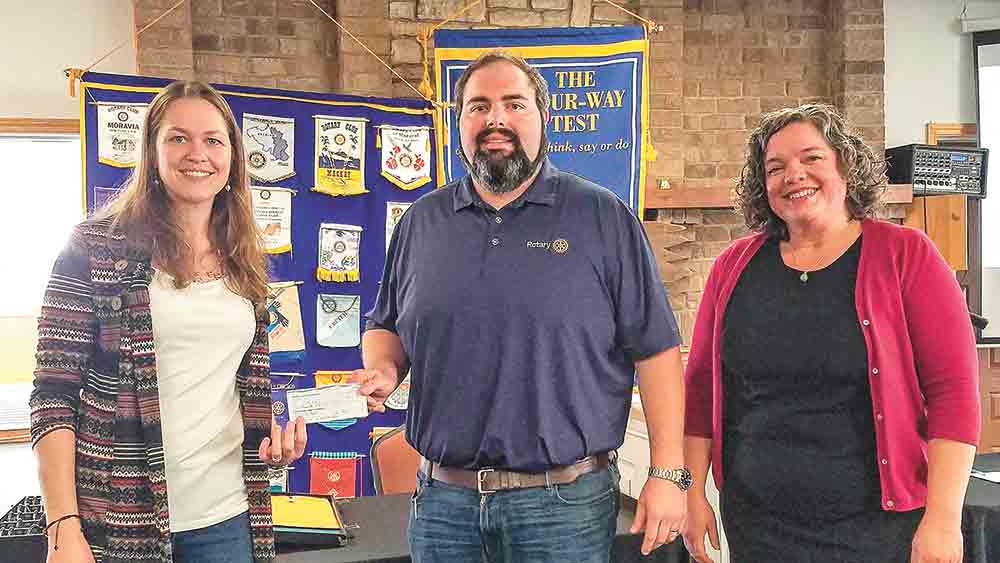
(489, 480)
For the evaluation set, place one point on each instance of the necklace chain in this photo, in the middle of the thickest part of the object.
(804, 275)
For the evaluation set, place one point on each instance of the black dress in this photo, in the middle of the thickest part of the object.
(801, 482)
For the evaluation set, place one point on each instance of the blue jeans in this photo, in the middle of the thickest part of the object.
(225, 542)
(560, 523)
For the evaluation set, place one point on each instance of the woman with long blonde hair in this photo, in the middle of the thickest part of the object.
(151, 414)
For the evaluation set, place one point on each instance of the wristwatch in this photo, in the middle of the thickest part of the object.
(680, 476)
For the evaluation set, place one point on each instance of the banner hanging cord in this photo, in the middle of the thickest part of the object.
(650, 24)
(425, 91)
(74, 74)
(424, 36)
(372, 53)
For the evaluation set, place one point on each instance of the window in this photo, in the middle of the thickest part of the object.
(42, 202)
(986, 52)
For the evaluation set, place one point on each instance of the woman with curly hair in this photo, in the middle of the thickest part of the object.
(151, 413)
(832, 379)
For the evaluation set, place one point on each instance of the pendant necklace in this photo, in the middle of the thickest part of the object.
(804, 275)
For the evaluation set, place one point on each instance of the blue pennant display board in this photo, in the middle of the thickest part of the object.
(599, 98)
(106, 170)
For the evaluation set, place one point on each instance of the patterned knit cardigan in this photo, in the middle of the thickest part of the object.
(96, 376)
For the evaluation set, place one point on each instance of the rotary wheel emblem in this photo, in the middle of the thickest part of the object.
(277, 408)
(257, 159)
(333, 476)
(339, 138)
(560, 246)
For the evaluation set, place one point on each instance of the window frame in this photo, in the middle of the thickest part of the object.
(975, 272)
(36, 126)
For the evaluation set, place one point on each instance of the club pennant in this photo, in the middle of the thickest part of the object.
(334, 377)
(338, 320)
(279, 405)
(333, 473)
(119, 133)
(284, 330)
(400, 398)
(270, 147)
(272, 211)
(340, 155)
(339, 256)
(406, 155)
(393, 213)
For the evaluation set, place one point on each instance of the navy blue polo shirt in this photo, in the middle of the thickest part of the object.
(522, 325)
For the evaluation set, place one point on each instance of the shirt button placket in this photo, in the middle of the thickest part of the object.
(496, 238)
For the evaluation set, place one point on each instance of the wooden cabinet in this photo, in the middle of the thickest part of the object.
(989, 390)
(945, 220)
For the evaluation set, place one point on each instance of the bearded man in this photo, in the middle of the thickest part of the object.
(523, 300)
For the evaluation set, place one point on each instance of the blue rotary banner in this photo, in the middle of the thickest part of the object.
(598, 86)
(320, 164)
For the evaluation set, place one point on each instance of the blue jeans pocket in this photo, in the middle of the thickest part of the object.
(590, 488)
(418, 492)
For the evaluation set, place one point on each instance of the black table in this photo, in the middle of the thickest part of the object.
(378, 525)
(981, 515)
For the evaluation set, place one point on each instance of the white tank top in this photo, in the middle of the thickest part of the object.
(200, 335)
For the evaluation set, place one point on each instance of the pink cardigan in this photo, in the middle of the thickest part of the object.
(921, 354)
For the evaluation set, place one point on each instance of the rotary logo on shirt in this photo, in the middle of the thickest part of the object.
(270, 147)
(339, 256)
(119, 133)
(272, 211)
(406, 155)
(340, 155)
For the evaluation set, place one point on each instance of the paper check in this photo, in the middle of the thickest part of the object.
(327, 403)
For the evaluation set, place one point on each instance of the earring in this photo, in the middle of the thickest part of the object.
(228, 187)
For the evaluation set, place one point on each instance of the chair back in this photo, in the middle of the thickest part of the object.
(394, 463)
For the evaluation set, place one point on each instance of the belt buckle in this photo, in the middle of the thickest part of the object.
(481, 478)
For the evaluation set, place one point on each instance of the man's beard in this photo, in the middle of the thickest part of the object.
(498, 173)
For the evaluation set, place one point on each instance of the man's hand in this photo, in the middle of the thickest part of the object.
(700, 520)
(661, 512)
(284, 446)
(937, 542)
(376, 385)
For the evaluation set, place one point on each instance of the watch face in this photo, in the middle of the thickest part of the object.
(685, 480)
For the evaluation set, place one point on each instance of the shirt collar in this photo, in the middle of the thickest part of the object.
(542, 190)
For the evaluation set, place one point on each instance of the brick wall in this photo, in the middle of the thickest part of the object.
(715, 67)
(270, 43)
